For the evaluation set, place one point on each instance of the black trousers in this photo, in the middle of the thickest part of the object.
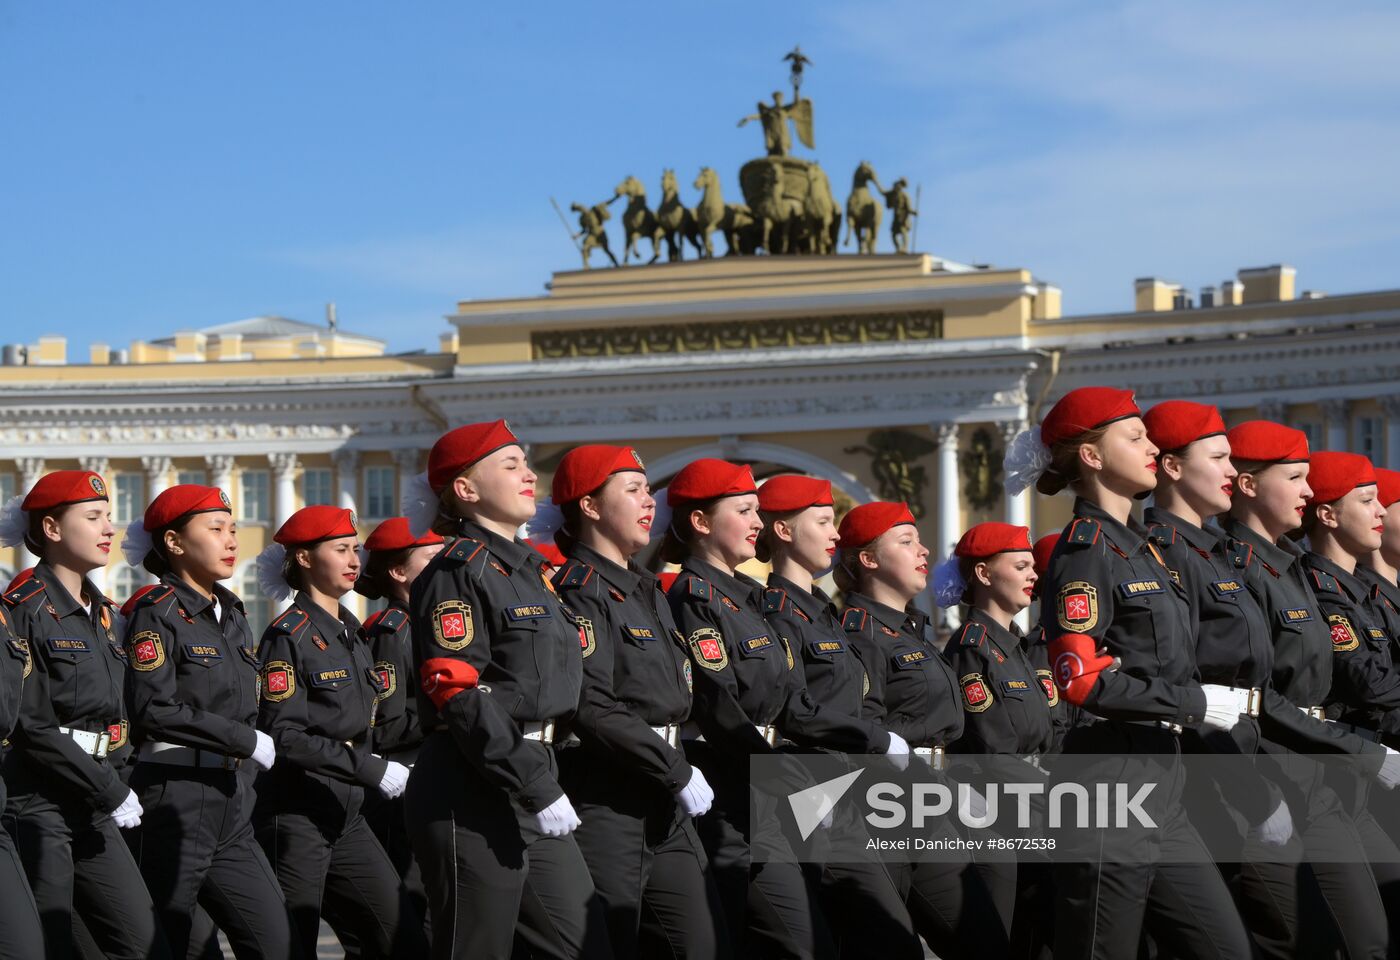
(1165, 885)
(21, 934)
(77, 861)
(386, 818)
(195, 847)
(489, 877)
(327, 861)
(646, 860)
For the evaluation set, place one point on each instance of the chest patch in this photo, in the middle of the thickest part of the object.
(1226, 588)
(1015, 686)
(1376, 634)
(1344, 636)
(69, 645)
(910, 659)
(756, 644)
(329, 678)
(1295, 615)
(977, 696)
(1139, 588)
(825, 648)
(640, 633)
(203, 651)
(1077, 606)
(527, 611)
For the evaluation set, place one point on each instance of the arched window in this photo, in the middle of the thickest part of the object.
(257, 606)
(124, 582)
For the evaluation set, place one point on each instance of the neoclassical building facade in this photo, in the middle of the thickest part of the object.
(893, 376)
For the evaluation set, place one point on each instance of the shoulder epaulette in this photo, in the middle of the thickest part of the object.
(973, 635)
(147, 595)
(26, 591)
(773, 599)
(854, 619)
(699, 588)
(371, 620)
(464, 550)
(291, 622)
(1084, 532)
(575, 574)
(1324, 581)
(393, 619)
(1162, 534)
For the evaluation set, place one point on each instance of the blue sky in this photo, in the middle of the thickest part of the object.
(178, 165)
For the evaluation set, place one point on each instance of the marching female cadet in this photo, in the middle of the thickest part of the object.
(1270, 496)
(1113, 600)
(394, 559)
(1344, 522)
(913, 693)
(1234, 647)
(799, 540)
(194, 709)
(632, 786)
(67, 802)
(318, 697)
(1380, 570)
(748, 696)
(500, 667)
(1063, 714)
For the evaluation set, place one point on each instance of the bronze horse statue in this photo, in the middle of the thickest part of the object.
(675, 220)
(863, 211)
(637, 220)
(732, 219)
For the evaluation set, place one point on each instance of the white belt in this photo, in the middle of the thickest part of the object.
(767, 731)
(935, 756)
(179, 755)
(670, 732)
(93, 744)
(1317, 713)
(541, 730)
(1254, 702)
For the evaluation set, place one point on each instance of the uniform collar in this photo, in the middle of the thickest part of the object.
(814, 603)
(728, 584)
(1349, 581)
(908, 620)
(1279, 556)
(1387, 587)
(623, 578)
(1199, 537)
(194, 603)
(1131, 537)
(63, 602)
(325, 624)
(514, 553)
(1006, 640)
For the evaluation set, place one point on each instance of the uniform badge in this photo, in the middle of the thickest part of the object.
(387, 676)
(1077, 606)
(586, 640)
(21, 646)
(147, 652)
(1344, 638)
(637, 459)
(279, 681)
(320, 644)
(452, 624)
(708, 647)
(977, 696)
(616, 594)
(104, 617)
(117, 735)
(888, 632)
(98, 487)
(223, 498)
(728, 603)
(500, 569)
(689, 678)
(548, 583)
(787, 648)
(864, 684)
(1047, 683)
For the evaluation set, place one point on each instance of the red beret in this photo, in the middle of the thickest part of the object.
(792, 491)
(1389, 483)
(1268, 442)
(314, 524)
(1042, 550)
(1335, 474)
(458, 449)
(710, 479)
(1085, 409)
(393, 534)
(1177, 423)
(182, 500)
(869, 520)
(987, 539)
(584, 469)
(64, 486)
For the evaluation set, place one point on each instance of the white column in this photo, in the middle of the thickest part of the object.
(100, 466)
(1018, 506)
(1335, 409)
(220, 471)
(157, 476)
(284, 502)
(30, 470)
(949, 501)
(347, 468)
(1390, 406)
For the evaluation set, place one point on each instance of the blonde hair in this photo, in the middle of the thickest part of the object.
(1064, 469)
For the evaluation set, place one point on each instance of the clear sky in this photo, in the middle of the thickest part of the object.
(174, 165)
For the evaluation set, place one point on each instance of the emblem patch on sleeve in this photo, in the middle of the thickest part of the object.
(1077, 606)
(1344, 638)
(977, 696)
(21, 646)
(689, 677)
(586, 640)
(1047, 683)
(387, 676)
(147, 652)
(279, 681)
(708, 647)
(452, 624)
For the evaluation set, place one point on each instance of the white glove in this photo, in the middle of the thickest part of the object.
(263, 754)
(128, 815)
(898, 751)
(558, 819)
(1224, 705)
(1389, 773)
(1277, 828)
(395, 779)
(696, 796)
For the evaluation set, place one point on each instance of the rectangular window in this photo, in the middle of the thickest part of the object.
(253, 497)
(191, 476)
(379, 492)
(316, 487)
(7, 487)
(130, 500)
(1314, 434)
(1367, 432)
